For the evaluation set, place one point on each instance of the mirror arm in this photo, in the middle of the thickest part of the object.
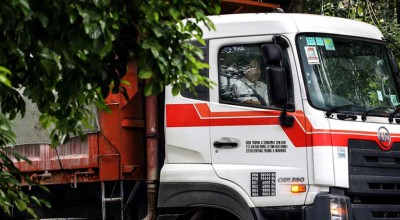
(284, 119)
(392, 59)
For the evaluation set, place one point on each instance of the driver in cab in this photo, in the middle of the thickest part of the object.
(248, 89)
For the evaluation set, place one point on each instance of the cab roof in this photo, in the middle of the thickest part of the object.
(235, 25)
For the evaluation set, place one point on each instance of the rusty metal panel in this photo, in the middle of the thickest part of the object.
(109, 166)
(34, 152)
(122, 133)
(246, 6)
(113, 151)
(76, 154)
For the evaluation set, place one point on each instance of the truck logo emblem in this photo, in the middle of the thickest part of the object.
(384, 138)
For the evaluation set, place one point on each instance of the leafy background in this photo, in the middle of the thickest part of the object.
(66, 56)
(380, 13)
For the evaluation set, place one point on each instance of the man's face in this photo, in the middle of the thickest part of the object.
(253, 71)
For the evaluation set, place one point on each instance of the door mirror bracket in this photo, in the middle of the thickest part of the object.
(286, 120)
(272, 54)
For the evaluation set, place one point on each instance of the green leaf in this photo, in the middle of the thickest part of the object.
(93, 30)
(12, 114)
(73, 17)
(5, 70)
(174, 13)
(46, 203)
(42, 18)
(145, 74)
(82, 55)
(5, 81)
(155, 52)
(157, 32)
(176, 89)
(25, 4)
(125, 82)
(148, 89)
(45, 121)
(21, 205)
(156, 16)
(36, 200)
(31, 212)
(115, 26)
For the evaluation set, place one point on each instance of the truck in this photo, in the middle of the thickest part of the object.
(325, 144)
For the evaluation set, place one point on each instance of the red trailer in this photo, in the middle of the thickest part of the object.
(102, 167)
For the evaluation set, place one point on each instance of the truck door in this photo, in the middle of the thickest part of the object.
(248, 145)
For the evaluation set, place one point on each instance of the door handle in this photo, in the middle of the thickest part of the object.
(225, 144)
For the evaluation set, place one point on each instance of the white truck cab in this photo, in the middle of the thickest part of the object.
(315, 136)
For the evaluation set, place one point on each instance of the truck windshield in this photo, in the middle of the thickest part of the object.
(347, 74)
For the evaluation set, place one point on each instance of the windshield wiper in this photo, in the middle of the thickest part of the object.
(366, 113)
(337, 108)
(346, 116)
(391, 116)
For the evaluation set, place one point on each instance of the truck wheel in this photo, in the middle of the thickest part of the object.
(210, 214)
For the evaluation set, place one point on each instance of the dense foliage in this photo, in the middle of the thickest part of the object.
(67, 55)
(11, 194)
(380, 13)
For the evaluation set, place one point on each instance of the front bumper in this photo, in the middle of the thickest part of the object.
(320, 210)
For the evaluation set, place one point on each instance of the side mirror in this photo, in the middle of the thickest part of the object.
(272, 54)
(278, 90)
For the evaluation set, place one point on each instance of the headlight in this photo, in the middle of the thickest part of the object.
(338, 207)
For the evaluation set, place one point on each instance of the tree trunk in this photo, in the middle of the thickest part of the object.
(398, 11)
(297, 6)
(391, 15)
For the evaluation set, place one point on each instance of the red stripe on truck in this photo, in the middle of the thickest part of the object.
(302, 133)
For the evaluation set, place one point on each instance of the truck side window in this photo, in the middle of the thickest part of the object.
(203, 92)
(243, 79)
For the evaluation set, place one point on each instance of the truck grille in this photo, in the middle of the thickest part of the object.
(374, 181)
(376, 212)
(372, 170)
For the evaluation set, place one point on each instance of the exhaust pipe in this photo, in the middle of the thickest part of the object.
(152, 136)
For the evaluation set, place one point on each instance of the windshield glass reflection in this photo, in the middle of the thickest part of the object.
(347, 75)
